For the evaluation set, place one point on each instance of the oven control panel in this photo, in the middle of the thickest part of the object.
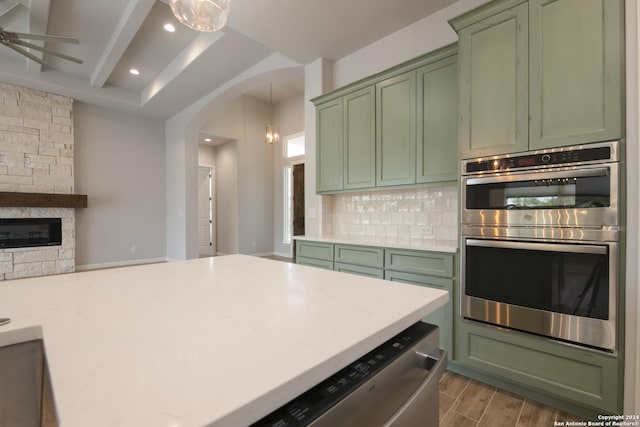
(532, 160)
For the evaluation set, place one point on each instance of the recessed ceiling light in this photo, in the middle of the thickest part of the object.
(134, 71)
(207, 139)
(170, 28)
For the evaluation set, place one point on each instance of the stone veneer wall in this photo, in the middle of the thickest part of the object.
(36, 156)
(426, 215)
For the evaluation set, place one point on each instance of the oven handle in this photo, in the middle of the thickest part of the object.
(532, 176)
(549, 247)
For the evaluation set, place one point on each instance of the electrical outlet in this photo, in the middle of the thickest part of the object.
(133, 248)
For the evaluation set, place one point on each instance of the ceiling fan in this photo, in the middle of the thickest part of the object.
(16, 41)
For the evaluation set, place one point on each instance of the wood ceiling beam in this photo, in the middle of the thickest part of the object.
(132, 19)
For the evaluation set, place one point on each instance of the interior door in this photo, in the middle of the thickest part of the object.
(205, 219)
(298, 199)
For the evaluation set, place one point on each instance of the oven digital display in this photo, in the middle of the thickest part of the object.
(526, 161)
(557, 193)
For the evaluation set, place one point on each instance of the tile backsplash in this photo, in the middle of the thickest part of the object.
(426, 215)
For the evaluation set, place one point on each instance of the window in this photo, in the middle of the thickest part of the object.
(287, 225)
(294, 145)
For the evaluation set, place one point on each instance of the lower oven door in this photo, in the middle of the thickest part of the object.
(560, 289)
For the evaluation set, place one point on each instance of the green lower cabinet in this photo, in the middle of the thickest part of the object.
(313, 262)
(443, 317)
(316, 250)
(579, 376)
(362, 260)
(420, 262)
(415, 267)
(360, 255)
(360, 270)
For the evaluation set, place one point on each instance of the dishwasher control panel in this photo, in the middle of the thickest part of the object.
(310, 405)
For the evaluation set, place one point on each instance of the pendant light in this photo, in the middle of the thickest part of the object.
(201, 15)
(272, 135)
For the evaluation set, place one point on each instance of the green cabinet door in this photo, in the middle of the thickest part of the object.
(576, 56)
(493, 84)
(437, 150)
(442, 317)
(396, 130)
(329, 146)
(359, 139)
(578, 375)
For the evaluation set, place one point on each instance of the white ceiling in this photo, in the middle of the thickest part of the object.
(117, 35)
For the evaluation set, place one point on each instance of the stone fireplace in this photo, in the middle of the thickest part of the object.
(36, 156)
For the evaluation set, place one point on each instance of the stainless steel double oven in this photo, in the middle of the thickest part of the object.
(540, 241)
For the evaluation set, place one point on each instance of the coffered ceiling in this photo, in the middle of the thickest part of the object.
(176, 69)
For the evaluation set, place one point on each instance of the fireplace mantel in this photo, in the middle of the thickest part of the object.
(41, 200)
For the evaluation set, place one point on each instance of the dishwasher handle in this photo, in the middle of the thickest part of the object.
(425, 394)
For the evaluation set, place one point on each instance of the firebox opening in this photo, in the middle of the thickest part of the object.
(29, 232)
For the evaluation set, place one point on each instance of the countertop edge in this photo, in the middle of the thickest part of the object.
(348, 240)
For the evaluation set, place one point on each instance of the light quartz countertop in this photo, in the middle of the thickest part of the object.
(386, 242)
(211, 342)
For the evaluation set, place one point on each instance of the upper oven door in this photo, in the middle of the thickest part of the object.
(585, 196)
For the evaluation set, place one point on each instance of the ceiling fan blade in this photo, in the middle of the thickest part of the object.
(25, 53)
(46, 37)
(49, 51)
(16, 12)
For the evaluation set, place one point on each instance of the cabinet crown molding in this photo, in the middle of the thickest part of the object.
(482, 12)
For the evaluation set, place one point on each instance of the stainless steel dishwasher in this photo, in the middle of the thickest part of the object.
(395, 385)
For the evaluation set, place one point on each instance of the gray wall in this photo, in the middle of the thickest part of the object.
(289, 115)
(120, 165)
(226, 202)
(206, 155)
(244, 177)
(255, 181)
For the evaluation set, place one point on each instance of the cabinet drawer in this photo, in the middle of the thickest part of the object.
(313, 262)
(359, 255)
(579, 375)
(358, 269)
(422, 280)
(420, 262)
(314, 250)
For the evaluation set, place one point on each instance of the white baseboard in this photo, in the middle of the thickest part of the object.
(283, 254)
(88, 267)
(262, 254)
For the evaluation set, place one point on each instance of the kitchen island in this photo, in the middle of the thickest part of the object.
(210, 342)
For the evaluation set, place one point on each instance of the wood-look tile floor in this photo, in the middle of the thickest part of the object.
(469, 403)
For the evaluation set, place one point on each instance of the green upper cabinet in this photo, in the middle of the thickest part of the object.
(396, 130)
(493, 84)
(437, 127)
(329, 145)
(539, 74)
(359, 139)
(346, 142)
(575, 49)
